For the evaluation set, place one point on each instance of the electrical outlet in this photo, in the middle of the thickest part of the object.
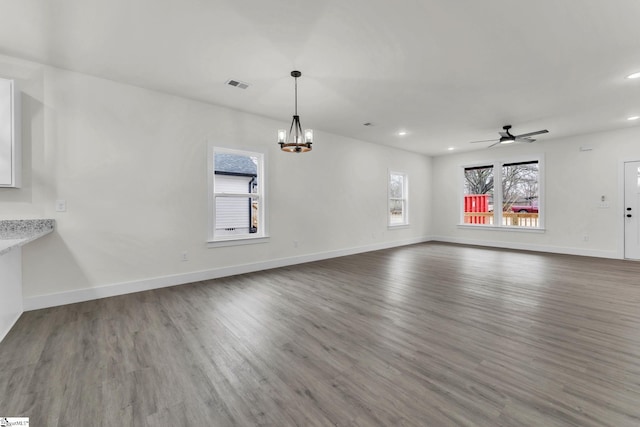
(585, 237)
(61, 205)
(185, 256)
(603, 205)
(295, 243)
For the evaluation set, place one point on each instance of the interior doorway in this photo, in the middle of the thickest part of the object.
(632, 210)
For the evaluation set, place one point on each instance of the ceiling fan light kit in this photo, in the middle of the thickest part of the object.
(506, 137)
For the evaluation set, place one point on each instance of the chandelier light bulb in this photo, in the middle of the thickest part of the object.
(282, 136)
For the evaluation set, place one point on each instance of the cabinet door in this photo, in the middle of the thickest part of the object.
(8, 148)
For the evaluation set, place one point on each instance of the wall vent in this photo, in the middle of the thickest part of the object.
(237, 83)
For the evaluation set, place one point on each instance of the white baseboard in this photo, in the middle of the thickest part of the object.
(87, 294)
(530, 247)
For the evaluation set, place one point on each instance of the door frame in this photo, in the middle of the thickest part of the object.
(621, 204)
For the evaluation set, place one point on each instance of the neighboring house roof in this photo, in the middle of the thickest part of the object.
(232, 164)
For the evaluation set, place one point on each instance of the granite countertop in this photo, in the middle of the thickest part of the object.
(15, 233)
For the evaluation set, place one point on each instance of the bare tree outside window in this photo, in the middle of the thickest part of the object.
(479, 180)
(520, 186)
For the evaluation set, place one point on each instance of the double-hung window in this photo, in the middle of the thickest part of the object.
(504, 194)
(398, 199)
(236, 188)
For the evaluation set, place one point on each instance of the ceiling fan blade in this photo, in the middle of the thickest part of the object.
(486, 140)
(519, 139)
(540, 132)
(495, 143)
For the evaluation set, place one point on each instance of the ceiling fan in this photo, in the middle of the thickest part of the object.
(507, 137)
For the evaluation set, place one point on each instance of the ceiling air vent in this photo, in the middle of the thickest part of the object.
(237, 83)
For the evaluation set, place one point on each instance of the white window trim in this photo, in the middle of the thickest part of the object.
(405, 194)
(235, 241)
(508, 228)
(262, 236)
(497, 196)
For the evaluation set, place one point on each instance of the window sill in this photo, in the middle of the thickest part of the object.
(237, 241)
(502, 228)
(395, 227)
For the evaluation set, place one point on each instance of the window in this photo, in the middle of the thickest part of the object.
(236, 195)
(503, 194)
(478, 195)
(398, 195)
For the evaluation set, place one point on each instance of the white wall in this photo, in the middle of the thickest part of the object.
(575, 181)
(10, 289)
(131, 164)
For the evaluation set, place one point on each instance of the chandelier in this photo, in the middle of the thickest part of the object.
(298, 141)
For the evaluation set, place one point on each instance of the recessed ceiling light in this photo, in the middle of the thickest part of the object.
(402, 133)
(632, 118)
(634, 75)
(451, 148)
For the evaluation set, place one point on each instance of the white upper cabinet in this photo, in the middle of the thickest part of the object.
(10, 154)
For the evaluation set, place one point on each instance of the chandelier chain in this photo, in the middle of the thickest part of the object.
(296, 103)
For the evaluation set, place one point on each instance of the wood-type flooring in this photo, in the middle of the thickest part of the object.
(423, 335)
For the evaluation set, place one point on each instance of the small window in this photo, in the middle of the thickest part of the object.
(398, 199)
(237, 196)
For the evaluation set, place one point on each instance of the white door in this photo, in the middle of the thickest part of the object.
(632, 210)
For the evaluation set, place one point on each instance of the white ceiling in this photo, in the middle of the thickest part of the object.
(447, 71)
